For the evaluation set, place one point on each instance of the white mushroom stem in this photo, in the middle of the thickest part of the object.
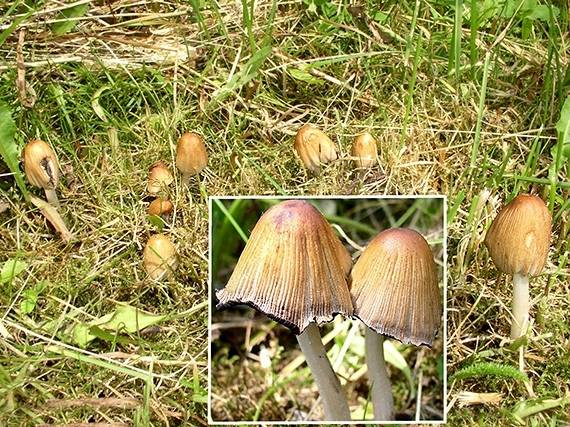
(334, 399)
(381, 389)
(185, 178)
(51, 197)
(520, 306)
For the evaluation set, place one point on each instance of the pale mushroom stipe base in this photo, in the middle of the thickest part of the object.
(294, 269)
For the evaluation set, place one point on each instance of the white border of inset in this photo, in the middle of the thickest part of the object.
(328, 197)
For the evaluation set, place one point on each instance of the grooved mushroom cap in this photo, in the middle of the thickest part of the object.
(519, 237)
(191, 154)
(314, 147)
(365, 150)
(40, 164)
(159, 176)
(159, 256)
(395, 288)
(293, 268)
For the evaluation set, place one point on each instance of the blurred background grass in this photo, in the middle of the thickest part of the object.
(257, 369)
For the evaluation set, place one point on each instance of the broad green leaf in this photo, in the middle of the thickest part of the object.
(125, 319)
(30, 297)
(529, 407)
(11, 269)
(156, 221)
(8, 148)
(304, 76)
(67, 17)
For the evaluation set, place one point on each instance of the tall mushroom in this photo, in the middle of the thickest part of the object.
(191, 155)
(40, 166)
(294, 269)
(314, 147)
(518, 242)
(395, 293)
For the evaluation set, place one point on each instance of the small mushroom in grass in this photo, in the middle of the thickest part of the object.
(191, 155)
(159, 177)
(40, 166)
(395, 293)
(518, 242)
(314, 147)
(365, 151)
(294, 269)
(160, 207)
(159, 256)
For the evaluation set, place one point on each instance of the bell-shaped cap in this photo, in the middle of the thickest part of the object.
(365, 150)
(40, 165)
(519, 237)
(395, 288)
(159, 256)
(293, 268)
(159, 177)
(314, 147)
(191, 154)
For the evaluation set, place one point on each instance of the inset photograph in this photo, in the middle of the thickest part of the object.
(327, 309)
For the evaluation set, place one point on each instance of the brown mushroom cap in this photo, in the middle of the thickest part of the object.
(159, 256)
(293, 268)
(160, 206)
(191, 154)
(365, 150)
(395, 288)
(159, 176)
(314, 147)
(519, 237)
(40, 164)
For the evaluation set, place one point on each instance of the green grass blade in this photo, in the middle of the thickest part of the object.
(482, 97)
(8, 148)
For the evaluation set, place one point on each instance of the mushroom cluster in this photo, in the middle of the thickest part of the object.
(316, 149)
(295, 270)
(159, 255)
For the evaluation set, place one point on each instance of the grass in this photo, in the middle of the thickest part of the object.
(257, 370)
(155, 70)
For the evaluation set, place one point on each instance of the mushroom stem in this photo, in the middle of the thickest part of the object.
(381, 392)
(334, 400)
(185, 179)
(520, 306)
(51, 197)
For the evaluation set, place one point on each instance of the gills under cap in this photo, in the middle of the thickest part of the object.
(395, 288)
(293, 268)
(519, 237)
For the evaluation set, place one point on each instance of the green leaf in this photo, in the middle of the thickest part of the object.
(11, 269)
(67, 17)
(304, 76)
(30, 297)
(8, 148)
(395, 358)
(125, 319)
(530, 407)
(563, 128)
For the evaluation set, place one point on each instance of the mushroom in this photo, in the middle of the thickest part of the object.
(191, 155)
(518, 242)
(160, 206)
(159, 176)
(294, 269)
(40, 166)
(159, 256)
(364, 150)
(314, 147)
(395, 293)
